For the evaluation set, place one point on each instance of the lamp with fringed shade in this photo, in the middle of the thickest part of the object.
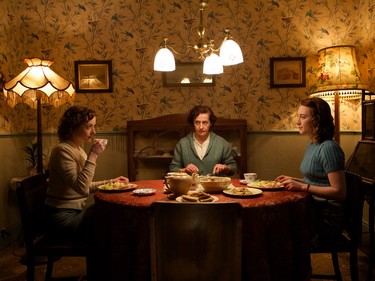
(38, 84)
(338, 78)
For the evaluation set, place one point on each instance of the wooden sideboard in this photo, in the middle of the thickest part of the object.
(368, 115)
(151, 142)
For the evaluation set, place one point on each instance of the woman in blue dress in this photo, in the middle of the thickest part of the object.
(322, 168)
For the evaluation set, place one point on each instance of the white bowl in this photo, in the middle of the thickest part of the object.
(214, 184)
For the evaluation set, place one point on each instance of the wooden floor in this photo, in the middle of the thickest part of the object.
(322, 264)
(73, 269)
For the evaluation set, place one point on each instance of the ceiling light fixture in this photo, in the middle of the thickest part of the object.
(229, 52)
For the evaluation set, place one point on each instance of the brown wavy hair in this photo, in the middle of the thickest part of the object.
(322, 119)
(201, 109)
(73, 118)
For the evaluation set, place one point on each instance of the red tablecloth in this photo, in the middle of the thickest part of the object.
(275, 234)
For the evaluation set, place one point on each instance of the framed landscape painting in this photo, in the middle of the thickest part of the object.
(287, 72)
(93, 76)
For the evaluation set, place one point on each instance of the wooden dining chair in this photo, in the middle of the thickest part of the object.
(349, 240)
(195, 241)
(31, 194)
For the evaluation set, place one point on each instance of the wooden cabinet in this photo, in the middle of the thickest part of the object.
(151, 142)
(368, 115)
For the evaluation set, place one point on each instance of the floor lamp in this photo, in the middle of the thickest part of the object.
(338, 78)
(38, 85)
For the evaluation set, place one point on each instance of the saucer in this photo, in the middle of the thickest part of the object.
(144, 191)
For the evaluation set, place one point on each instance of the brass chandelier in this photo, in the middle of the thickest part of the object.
(229, 52)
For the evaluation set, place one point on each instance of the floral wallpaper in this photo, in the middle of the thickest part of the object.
(129, 32)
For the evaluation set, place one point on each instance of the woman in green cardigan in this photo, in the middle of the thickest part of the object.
(202, 151)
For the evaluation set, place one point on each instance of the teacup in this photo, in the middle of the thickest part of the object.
(250, 177)
(103, 141)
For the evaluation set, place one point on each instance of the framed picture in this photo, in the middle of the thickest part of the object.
(288, 72)
(93, 76)
(188, 74)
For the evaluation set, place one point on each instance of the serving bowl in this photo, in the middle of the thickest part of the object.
(214, 184)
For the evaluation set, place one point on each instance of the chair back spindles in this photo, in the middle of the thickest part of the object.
(195, 241)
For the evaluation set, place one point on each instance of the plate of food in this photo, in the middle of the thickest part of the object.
(197, 196)
(144, 191)
(242, 192)
(117, 187)
(266, 185)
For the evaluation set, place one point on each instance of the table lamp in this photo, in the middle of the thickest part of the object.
(38, 85)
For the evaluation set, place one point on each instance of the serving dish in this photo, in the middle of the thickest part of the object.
(214, 184)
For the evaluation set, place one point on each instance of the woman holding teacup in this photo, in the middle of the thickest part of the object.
(71, 173)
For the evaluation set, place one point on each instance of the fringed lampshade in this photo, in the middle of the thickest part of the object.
(338, 78)
(37, 85)
(38, 81)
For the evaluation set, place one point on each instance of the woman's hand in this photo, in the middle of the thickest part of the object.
(190, 169)
(292, 184)
(282, 178)
(220, 168)
(98, 146)
(120, 179)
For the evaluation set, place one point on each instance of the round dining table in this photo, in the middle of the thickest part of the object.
(275, 236)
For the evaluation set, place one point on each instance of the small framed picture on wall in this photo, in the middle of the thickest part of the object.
(287, 72)
(93, 76)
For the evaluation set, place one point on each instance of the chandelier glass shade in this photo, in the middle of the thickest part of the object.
(213, 65)
(229, 53)
(164, 60)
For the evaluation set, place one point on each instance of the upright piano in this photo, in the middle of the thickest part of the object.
(362, 162)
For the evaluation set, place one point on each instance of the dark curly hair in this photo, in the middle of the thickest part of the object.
(201, 109)
(321, 117)
(73, 118)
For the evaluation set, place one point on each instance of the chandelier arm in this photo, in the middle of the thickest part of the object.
(177, 52)
(213, 49)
